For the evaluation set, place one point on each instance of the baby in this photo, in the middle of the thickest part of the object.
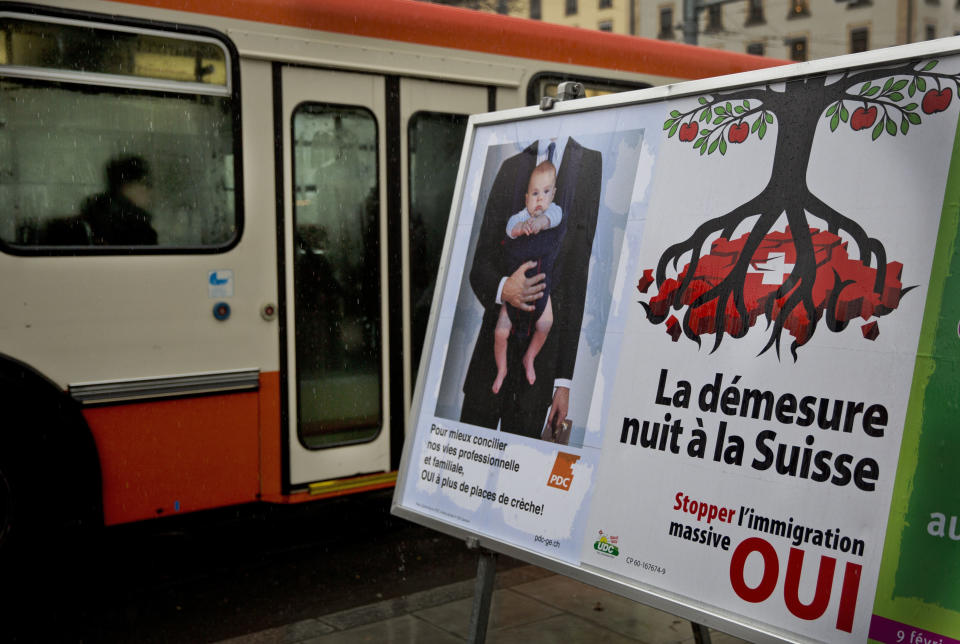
(535, 234)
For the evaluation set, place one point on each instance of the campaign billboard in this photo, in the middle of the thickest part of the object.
(699, 345)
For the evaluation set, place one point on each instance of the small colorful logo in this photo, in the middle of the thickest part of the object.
(562, 474)
(607, 545)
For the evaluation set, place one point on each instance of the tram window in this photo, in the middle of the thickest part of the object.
(546, 85)
(435, 141)
(336, 274)
(94, 160)
(99, 49)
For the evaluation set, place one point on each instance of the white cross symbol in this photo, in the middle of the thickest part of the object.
(774, 270)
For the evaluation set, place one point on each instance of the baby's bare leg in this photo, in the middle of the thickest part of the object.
(540, 332)
(500, 335)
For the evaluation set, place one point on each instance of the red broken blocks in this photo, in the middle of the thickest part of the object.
(673, 328)
(871, 330)
(645, 281)
(840, 286)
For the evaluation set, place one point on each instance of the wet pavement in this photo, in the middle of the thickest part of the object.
(214, 575)
(530, 606)
(326, 573)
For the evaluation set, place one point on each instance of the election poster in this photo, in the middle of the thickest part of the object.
(736, 384)
(483, 459)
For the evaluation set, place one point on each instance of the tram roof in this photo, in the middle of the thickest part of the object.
(453, 27)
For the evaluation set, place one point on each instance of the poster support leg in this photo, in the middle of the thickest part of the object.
(482, 592)
(701, 634)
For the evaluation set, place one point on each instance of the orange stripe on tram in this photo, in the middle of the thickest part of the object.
(441, 26)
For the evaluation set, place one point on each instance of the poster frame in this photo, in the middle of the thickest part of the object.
(683, 606)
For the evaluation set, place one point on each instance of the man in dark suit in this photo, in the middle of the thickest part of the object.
(520, 407)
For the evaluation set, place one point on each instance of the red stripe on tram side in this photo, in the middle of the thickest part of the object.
(168, 456)
(271, 435)
(442, 26)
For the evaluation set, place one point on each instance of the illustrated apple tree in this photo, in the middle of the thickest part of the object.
(876, 102)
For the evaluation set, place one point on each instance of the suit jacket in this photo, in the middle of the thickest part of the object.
(520, 406)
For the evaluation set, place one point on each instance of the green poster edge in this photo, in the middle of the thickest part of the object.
(914, 611)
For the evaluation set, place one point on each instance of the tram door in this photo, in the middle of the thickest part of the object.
(335, 217)
(433, 119)
(336, 306)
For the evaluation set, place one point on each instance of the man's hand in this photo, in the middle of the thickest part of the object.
(519, 290)
(559, 408)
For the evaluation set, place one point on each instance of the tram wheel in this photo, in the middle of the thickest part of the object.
(11, 509)
(44, 442)
(6, 508)
(24, 521)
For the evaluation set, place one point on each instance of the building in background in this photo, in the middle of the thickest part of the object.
(791, 29)
(804, 29)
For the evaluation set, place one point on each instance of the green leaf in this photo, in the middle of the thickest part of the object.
(705, 114)
(912, 89)
(930, 65)
(891, 127)
(844, 114)
(674, 113)
(673, 130)
(746, 104)
(834, 122)
(699, 142)
(865, 87)
(921, 84)
(913, 118)
(702, 100)
(888, 84)
(703, 150)
(878, 130)
(910, 107)
(904, 126)
(669, 122)
(899, 85)
(719, 120)
(720, 109)
(896, 96)
(763, 130)
(873, 91)
(769, 117)
(739, 110)
(756, 126)
(723, 146)
(832, 108)
(713, 146)
(729, 108)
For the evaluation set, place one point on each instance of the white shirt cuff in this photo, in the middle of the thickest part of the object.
(562, 382)
(499, 300)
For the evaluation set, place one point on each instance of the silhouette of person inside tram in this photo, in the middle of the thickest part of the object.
(119, 216)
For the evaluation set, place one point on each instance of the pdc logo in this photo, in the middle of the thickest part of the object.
(562, 474)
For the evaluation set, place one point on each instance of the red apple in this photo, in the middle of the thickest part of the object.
(738, 133)
(688, 131)
(936, 101)
(863, 117)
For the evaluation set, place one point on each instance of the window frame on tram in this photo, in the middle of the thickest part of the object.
(366, 433)
(418, 327)
(596, 84)
(134, 85)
